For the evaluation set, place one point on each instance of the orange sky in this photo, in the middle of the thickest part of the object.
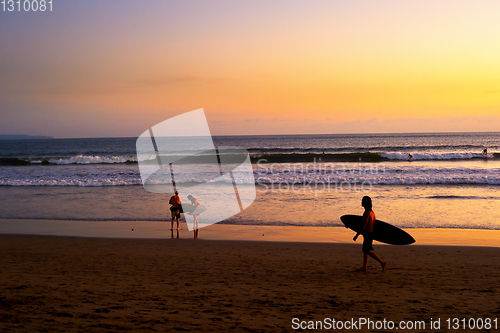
(90, 69)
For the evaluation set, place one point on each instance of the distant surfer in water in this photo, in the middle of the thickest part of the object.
(195, 202)
(485, 152)
(410, 157)
(367, 232)
(176, 209)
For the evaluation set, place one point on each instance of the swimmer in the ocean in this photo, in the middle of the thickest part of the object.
(410, 157)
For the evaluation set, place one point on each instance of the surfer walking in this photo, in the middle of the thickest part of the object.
(175, 208)
(195, 202)
(367, 232)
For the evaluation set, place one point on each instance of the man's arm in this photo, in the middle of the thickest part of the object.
(363, 226)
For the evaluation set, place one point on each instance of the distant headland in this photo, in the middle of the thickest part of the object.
(23, 137)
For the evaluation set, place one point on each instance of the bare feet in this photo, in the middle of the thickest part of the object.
(383, 265)
(362, 269)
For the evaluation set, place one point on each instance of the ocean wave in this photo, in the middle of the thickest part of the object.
(274, 182)
(320, 150)
(69, 182)
(365, 183)
(368, 157)
(439, 156)
(79, 159)
(265, 174)
(308, 157)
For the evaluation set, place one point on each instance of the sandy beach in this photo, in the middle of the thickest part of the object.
(70, 284)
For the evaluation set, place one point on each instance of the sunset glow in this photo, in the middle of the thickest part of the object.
(90, 69)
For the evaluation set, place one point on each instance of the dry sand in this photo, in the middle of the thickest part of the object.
(56, 284)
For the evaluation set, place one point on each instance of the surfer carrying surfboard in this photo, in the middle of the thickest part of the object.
(175, 201)
(367, 232)
(195, 202)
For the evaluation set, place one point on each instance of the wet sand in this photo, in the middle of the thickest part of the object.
(56, 284)
(161, 230)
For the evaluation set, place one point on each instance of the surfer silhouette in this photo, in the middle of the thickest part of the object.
(195, 202)
(176, 209)
(410, 157)
(485, 152)
(367, 232)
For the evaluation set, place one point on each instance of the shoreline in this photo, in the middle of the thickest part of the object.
(293, 234)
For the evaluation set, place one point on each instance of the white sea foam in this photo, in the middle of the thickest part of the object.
(80, 159)
(435, 156)
(124, 175)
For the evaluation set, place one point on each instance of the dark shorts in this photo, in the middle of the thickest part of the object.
(176, 212)
(179, 208)
(367, 241)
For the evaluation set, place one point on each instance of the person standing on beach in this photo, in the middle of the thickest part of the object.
(175, 201)
(195, 202)
(367, 232)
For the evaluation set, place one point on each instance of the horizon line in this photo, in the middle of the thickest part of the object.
(50, 137)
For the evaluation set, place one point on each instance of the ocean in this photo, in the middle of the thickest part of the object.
(302, 180)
